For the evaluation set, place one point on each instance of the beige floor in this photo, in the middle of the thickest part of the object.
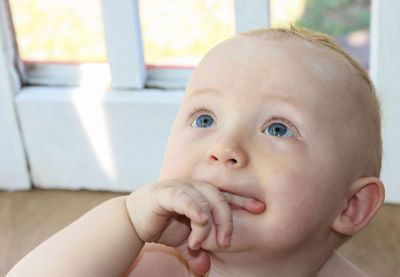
(27, 218)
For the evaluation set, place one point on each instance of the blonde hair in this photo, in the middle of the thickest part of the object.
(370, 156)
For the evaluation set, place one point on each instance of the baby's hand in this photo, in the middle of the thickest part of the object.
(172, 212)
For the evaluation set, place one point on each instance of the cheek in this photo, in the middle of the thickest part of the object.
(293, 196)
(175, 165)
(295, 211)
(181, 156)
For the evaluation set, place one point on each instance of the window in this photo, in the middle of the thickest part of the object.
(72, 34)
(347, 21)
(59, 31)
(179, 33)
(140, 56)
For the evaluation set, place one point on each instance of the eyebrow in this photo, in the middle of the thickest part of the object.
(204, 91)
(291, 101)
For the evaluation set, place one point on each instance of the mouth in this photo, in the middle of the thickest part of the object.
(236, 207)
(247, 194)
(241, 195)
(244, 203)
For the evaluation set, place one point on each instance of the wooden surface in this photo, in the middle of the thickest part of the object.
(27, 218)
(376, 249)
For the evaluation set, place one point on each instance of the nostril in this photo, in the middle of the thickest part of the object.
(232, 161)
(214, 158)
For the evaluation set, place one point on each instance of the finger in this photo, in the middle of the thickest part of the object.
(250, 204)
(191, 203)
(221, 213)
(198, 234)
(177, 200)
(187, 201)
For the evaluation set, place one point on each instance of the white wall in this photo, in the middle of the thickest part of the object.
(385, 72)
(93, 139)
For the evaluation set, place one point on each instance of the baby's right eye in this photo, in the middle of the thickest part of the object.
(204, 121)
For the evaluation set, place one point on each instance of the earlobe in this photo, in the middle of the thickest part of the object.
(366, 196)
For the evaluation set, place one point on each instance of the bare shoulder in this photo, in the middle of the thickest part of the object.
(159, 260)
(337, 266)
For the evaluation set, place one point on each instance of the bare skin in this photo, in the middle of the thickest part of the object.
(254, 180)
(171, 263)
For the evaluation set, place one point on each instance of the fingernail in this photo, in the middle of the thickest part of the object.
(227, 240)
(256, 206)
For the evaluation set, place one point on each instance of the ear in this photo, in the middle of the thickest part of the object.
(365, 197)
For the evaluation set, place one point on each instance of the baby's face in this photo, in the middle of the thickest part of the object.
(263, 119)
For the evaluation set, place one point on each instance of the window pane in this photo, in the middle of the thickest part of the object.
(180, 32)
(59, 30)
(346, 20)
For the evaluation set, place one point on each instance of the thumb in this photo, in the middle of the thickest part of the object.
(198, 260)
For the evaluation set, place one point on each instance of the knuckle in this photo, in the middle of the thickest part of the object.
(220, 197)
(204, 204)
(193, 205)
(177, 194)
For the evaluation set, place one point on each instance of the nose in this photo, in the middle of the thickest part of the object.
(228, 154)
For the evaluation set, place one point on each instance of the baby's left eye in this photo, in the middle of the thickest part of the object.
(204, 121)
(279, 130)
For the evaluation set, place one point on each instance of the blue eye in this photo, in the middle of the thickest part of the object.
(204, 121)
(279, 130)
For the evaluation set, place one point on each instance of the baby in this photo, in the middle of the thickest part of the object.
(272, 163)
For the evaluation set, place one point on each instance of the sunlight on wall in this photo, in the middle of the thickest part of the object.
(89, 105)
(95, 75)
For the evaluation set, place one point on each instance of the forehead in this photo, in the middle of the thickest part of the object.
(290, 67)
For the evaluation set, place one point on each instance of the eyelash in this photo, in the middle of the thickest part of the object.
(278, 119)
(202, 110)
(199, 111)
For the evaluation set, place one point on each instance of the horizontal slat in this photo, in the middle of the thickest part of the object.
(168, 78)
(67, 74)
(47, 74)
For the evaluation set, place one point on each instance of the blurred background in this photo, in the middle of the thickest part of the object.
(175, 32)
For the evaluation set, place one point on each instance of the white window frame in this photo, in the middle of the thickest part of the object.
(13, 166)
(385, 72)
(77, 133)
(125, 60)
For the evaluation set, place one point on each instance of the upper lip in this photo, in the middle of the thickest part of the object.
(235, 186)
